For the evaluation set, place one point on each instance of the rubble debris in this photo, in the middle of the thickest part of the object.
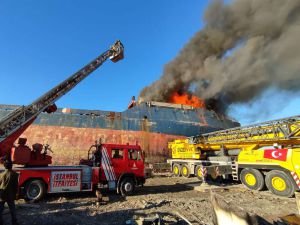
(150, 220)
(160, 196)
(185, 219)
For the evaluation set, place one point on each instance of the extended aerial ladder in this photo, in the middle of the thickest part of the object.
(15, 123)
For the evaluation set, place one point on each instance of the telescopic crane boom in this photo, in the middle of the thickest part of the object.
(15, 123)
(282, 131)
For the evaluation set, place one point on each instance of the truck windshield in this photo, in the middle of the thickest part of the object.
(134, 154)
(117, 153)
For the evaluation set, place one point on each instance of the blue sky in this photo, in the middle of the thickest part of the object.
(44, 42)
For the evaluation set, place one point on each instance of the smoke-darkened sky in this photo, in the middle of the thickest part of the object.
(246, 48)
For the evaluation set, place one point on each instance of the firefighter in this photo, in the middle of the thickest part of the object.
(117, 154)
(8, 191)
(97, 156)
(132, 103)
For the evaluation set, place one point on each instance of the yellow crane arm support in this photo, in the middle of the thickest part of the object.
(283, 131)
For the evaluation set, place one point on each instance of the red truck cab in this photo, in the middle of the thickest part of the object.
(118, 167)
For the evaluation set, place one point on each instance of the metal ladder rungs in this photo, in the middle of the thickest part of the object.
(234, 173)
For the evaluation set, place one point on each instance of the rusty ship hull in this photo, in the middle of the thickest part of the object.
(71, 132)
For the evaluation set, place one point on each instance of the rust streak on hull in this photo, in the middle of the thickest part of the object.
(71, 144)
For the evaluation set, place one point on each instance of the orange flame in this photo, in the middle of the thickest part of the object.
(186, 99)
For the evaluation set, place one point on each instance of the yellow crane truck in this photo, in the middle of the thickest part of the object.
(260, 155)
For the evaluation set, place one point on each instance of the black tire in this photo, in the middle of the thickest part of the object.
(127, 186)
(252, 179)
(198, 172)
(280, 183)
(176, 170)
(34, 190)
(185, 171)
(214, 176)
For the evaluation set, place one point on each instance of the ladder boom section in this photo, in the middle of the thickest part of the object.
(285, 130)
(24, 114)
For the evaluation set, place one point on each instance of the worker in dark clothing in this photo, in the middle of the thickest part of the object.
(8, 191)
(97, 156)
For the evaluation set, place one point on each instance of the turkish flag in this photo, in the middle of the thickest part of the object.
(277, 154)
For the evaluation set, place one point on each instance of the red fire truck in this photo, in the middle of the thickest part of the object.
(119, 167)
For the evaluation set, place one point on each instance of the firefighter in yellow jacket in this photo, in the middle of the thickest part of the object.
(8, 191)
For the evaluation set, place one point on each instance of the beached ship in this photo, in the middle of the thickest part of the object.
(70, 132)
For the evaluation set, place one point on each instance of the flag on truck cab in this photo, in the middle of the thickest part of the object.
(277, 154)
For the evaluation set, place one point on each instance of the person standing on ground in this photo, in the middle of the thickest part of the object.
(8, 191)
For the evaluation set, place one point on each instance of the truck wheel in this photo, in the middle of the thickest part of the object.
(185, 171)
(127, 186)
(176, 170)
(279, 183)
(34, 190)
(252, 179)
(198, 172)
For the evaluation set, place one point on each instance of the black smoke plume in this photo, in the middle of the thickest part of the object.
(245, 48)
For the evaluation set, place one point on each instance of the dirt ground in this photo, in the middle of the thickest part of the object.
(163, 195)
